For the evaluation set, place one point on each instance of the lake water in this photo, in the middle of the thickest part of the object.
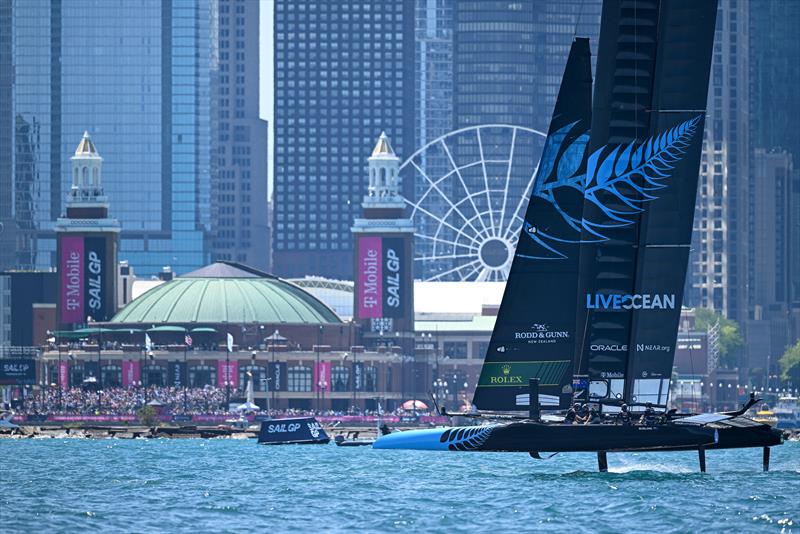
(71, 485)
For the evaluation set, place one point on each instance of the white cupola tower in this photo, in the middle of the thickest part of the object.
(384, 253)
(384, 175)
(87, 174)
(87, 243)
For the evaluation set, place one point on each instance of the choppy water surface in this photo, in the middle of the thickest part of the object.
(231, 485)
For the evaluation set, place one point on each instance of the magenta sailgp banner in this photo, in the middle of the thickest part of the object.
(369, 277)
(63, 374)
(322, 376)
(131, 373)
(72, 280)
(227, 371)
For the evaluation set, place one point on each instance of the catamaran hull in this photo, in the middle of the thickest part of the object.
(528, 436)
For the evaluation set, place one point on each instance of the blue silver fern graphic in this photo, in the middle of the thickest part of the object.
(618, 182)
(466, 438)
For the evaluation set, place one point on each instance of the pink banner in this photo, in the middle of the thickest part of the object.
(369, 277)
(131, 373)
(72, 283)
(232, 374)
(63, 374)
(322, 373)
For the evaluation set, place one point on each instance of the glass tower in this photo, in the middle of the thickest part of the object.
(344, 72)
(137, 77)
(239, 188)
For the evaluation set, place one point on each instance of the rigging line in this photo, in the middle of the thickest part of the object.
(508, 177)
(456, 268)
(445, 223)
(485, 180)
(525, 196)
(450, 202)
(577, 21)
(461, 179)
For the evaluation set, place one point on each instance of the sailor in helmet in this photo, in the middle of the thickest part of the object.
(572, 414)
(649, 416)
(624, 416)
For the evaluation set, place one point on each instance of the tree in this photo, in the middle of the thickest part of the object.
(790, 361)
(147, 416)
(730, 338)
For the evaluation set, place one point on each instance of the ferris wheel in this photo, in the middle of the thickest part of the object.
(471, 190)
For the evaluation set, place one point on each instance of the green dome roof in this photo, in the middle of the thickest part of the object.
(226, 293)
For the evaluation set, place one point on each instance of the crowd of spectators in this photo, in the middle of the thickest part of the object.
(126, 401)
(176, 401)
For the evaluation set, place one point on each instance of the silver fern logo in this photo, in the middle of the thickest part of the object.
(618, 183)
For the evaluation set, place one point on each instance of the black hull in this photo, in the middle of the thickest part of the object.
(533, 437)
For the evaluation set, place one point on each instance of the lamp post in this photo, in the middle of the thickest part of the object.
(274, 339)
(150, 358)
(322, 385)
(440, 389)
(319, 342)
(58, 371)
(402, 367)
(252, 367)
(266, 388)
(227, 378)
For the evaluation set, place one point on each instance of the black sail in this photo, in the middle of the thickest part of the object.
(534, 334)
(647, 128)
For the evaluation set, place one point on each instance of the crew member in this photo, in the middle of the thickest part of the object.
(624, 416)
(649, 416)
(593, 418)
(572, 414)
(583, 415)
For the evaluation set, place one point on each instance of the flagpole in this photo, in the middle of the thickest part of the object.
(185, 371)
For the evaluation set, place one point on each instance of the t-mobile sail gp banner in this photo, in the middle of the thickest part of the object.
(381, 277)
(83, 279)
(95, 275)
(72, 282)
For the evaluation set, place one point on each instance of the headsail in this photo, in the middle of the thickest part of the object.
(647, 129)
(534, 334)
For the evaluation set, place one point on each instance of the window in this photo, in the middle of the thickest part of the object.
(455, 349)
(370, 379)
(299, 379)
(339, 378)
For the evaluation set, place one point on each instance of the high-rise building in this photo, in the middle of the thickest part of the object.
(137, 75)
(718, 261)
(344, 72)
(239, 214)
(774, 55)
(769, 272)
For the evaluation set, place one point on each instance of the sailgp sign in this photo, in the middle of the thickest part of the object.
(381, 273)
(637, 301)
(83, 274)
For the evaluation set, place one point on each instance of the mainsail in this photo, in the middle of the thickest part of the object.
(534, 335)
(647, 130)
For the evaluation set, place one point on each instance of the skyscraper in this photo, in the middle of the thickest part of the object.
(344, 72)
(137, 76)
(717, 272)
(239, 214)
(774, 56)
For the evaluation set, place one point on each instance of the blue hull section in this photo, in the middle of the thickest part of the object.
(424, 440)
(462, 438)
